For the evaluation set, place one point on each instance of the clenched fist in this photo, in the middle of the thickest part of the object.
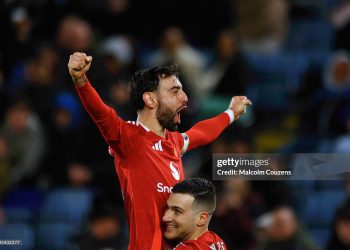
(79, 63)
(239, 105)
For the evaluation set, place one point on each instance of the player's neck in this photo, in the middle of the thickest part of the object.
(198, 233)
(151, 123)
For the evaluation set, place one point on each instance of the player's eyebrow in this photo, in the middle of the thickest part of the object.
(176, 208)
(175, 87)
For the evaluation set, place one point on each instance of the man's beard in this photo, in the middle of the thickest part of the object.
(166, 116)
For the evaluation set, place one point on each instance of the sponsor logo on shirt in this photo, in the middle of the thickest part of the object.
(161, 188)
(174, 171)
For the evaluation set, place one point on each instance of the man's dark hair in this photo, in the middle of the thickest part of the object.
(202, 190)
(147, 80)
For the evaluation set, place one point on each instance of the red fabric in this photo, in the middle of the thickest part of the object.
(146, 174)
(147, 165)
(209, 240)
(206, 131)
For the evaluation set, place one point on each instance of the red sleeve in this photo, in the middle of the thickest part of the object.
(103, 116)
(206, 131)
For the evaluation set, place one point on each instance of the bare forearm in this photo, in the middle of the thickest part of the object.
(80, 82)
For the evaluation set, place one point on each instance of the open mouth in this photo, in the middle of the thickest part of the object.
(181, 109)
(170, 227)
(178, 114)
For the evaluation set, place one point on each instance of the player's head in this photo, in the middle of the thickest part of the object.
(189, 209)
(159, 89)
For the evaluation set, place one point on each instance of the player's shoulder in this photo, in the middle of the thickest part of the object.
(174, 134)
(190, 244)
(136, 127)
(199, 245)
(178, 137)
(208, 240)
(132, 124)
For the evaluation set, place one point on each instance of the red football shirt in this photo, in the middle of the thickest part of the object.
(147, 165)
(209, 240)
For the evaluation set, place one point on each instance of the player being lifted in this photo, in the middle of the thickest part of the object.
(187, 215)
(147, 152)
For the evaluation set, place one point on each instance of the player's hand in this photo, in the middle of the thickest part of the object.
(79, 63)
(239, 105)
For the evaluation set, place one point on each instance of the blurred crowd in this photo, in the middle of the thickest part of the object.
(290, 57)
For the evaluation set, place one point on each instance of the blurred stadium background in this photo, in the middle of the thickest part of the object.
(58, 187)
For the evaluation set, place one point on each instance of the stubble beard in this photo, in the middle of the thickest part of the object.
(165, 117)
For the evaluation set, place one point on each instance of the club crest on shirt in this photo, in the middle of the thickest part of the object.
(175, 153)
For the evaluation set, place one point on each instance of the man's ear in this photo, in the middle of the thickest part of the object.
(150, 100)
(203, 219)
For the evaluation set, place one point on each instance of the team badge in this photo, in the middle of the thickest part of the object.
(175, 153)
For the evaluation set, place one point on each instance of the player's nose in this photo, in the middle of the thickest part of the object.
(166, 216)
(184, 98)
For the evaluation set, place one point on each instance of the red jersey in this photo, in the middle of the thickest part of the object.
(209, 240)
(147, 165)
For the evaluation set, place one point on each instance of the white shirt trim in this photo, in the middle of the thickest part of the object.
(186, 143)
(231, 115)
(147, 129)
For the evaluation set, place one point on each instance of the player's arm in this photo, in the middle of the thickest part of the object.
(101, 114)
(206, 131)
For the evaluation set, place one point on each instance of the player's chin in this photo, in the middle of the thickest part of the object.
(170, 234)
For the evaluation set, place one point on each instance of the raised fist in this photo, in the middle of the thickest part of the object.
(239, 105)
(79, 63)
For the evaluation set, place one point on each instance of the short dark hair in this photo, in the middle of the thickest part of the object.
(202, 190)
(147, 80)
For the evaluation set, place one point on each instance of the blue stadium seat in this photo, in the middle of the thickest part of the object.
(309, 35)
(330, 185)
(18, 215)
(277, 75)
(317, 58)
(18, 231)
(27, 198)
(55, 236)
(333, 3)
(320, 236)
(320, 206)
(67, 205)
(317, 9)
